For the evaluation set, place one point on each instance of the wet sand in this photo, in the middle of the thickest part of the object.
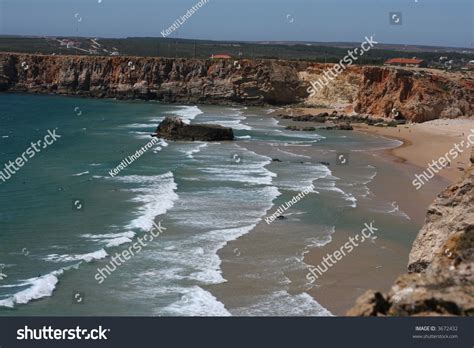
(371, 267)
(374, 265)
(377, 265)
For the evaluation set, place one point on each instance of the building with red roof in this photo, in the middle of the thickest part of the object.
(220, 56)
(406, 62)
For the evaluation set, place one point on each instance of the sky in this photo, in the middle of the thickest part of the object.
(420, 22)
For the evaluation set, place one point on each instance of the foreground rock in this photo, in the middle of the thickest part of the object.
(441, 263)
(173, 128)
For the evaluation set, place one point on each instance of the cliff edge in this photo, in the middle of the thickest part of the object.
(417, 95)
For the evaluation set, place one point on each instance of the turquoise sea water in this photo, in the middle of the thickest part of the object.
(62, 216)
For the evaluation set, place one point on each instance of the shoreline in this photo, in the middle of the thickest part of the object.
(372, 265)
(338, 289)
(427, 142)
(375, 265)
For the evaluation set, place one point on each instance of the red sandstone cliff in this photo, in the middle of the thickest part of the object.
(420, 96)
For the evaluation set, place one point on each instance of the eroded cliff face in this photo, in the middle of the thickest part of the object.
(341, 92)
(418, 95)
(170, 80)
(440, 279)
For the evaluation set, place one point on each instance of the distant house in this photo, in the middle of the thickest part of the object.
(220, 56)
(68, 43)
(413, 62)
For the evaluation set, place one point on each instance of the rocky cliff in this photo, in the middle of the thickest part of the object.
(421, 96)
(440, 279)
(169, 80)
(418, 95)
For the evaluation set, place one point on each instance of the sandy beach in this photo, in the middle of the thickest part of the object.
(422, 142)
(426, 142)
(377, 265)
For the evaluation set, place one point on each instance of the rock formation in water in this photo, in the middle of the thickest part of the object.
(441, 263)
(379, 91)
(173, 128)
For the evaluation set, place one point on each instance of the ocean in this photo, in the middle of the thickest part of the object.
(63, 216)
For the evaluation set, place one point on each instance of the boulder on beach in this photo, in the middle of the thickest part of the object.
(173, 128)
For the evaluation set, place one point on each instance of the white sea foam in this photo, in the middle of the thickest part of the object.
(37, 288)
(194, 150)
(396, 211)
(96, 255)
(111, 239)
(155, 196)
(234, 124)
(251, 173)
(151, 126)
(188, 113)
(281, 304)
(230, 118)
(160, 145)
(331, 186)
(81, 174)
(293, 154)
(194, 259)
(211, 273)
(324, 237)
(299, 176)
(391, 209)
(141, 135)
(196, 301)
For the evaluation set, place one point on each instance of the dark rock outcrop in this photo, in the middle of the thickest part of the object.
(307, 118)
(440, 279)
(301, 129)
(340, 126)
(173, 128)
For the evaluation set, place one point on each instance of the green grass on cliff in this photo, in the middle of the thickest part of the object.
(183, 48)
